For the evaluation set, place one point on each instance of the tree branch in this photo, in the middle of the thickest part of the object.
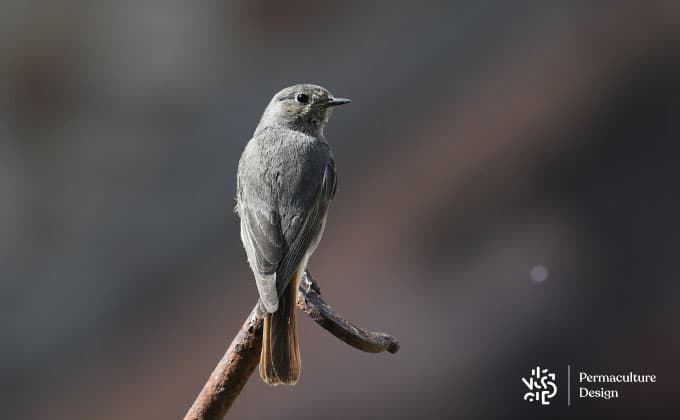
(231, 373)
(238, 363)
(310, 301)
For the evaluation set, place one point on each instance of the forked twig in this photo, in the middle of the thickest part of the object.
(238, 363)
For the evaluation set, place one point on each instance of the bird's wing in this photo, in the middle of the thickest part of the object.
(275, 251)
(304, 228)
(263, 241)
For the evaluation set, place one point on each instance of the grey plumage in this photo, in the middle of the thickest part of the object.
(286, 180)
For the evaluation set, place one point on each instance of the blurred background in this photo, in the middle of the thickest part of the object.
(508, 197)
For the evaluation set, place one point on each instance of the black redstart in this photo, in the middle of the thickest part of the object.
(286, 180)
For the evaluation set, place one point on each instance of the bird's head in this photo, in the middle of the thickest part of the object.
(302, 107)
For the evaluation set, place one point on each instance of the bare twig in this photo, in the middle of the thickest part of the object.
(238, 363)
(309, 300)
(231, 373)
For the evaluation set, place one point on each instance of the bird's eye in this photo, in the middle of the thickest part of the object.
(302, 98)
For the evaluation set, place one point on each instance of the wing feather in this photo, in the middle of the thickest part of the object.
(262, 239)
(274, 253)
(306, 229)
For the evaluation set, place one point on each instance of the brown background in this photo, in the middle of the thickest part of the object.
(485, 139)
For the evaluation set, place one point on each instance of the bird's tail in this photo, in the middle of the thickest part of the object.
(280, 357)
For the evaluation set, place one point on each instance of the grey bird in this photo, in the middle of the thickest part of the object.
(286, 180)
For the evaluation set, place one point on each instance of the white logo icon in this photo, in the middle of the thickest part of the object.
(542, 386)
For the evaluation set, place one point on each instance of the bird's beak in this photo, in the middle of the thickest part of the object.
(336, 102)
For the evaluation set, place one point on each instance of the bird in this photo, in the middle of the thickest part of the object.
(285, 182)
